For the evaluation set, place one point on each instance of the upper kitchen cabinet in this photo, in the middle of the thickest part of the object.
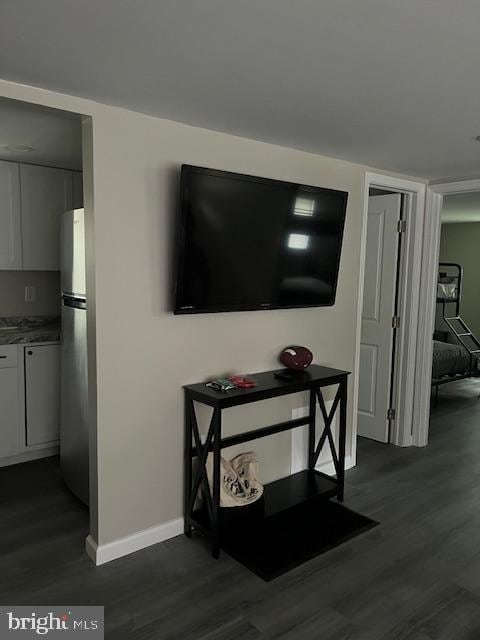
(77, 177)
(10, 221)
(46, 194)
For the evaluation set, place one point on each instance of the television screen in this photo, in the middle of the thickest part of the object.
(246, 243)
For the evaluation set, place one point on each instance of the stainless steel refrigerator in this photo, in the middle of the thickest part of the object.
(74, 449)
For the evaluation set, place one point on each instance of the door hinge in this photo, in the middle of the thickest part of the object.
(391, 414)
(396, 322)
(402, 226)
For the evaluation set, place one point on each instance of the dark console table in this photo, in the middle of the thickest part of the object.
(283, 494)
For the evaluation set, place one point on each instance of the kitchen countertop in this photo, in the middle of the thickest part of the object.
(26, 330)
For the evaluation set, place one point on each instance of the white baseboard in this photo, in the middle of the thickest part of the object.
(91, 548)
(329, 467)
(28, 456)
(100, 554)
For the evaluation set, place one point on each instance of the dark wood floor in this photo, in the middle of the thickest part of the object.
(415, 577)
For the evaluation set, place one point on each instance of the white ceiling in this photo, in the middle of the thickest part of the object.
(55, 136)
(389, 83)
(461, 207)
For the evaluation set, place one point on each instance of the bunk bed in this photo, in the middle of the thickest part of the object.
(460, 360)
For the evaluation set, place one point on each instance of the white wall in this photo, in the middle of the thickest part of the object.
(12, 293)
(144, 354)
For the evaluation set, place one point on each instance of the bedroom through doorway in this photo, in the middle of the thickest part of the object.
(456, 347)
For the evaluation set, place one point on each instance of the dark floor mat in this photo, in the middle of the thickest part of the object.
(277, 544)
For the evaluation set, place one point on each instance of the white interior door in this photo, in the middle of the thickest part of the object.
(378, 309)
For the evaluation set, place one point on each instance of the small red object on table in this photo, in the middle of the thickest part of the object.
(243, 382)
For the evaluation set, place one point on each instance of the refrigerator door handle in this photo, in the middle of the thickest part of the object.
(74, 303)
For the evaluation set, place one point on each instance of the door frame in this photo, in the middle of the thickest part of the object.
(430, 252)
(403, 432)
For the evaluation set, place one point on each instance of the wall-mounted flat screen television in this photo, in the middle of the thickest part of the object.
(247, 243)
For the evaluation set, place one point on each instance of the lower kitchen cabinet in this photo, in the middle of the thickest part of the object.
(29, 401)
(10, 413)
(42, 394)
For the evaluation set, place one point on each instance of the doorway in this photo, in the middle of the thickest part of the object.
(389, 307)
(451, 384)
(41, 178)
(428, 288)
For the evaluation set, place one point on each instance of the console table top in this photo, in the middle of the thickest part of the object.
(267, 386)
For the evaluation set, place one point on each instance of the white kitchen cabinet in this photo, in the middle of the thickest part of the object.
(42, 393)
(10, 220)
(77, 182)
(45, 194)
(9, 401)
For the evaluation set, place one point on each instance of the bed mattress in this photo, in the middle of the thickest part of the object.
(449, 359)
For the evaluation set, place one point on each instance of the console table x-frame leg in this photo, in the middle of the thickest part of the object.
(314, 449)
(193, 482)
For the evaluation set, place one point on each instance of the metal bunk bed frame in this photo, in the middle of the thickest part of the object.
(458, 328)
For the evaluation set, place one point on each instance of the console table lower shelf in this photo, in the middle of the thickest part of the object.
(261, 533)
(281, 496)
